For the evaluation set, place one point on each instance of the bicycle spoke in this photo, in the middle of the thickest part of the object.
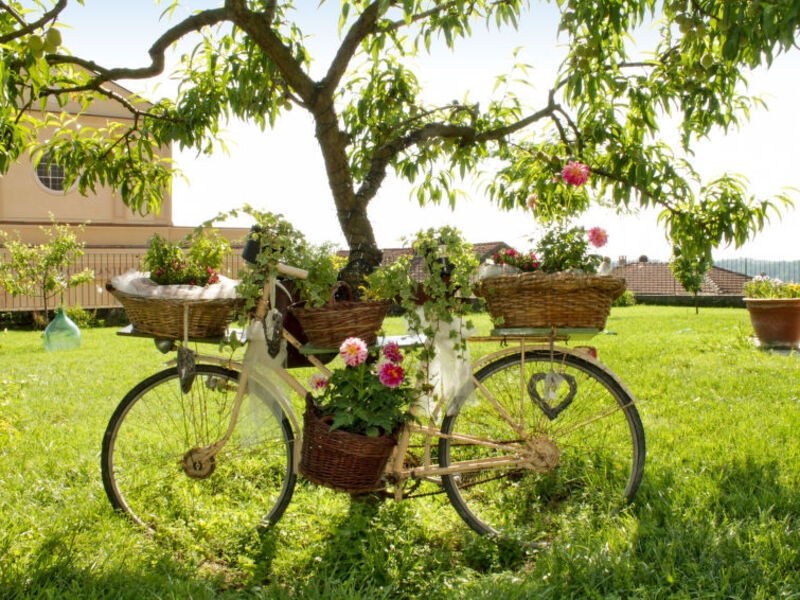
(148, 473)
(582, 444)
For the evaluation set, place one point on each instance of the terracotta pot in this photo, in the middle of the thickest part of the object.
(775, 321)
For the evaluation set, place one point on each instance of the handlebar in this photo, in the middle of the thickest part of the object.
(292, 271)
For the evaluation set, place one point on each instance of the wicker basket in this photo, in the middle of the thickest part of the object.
(328, 326)
(578, 300)
(346, 462)
(164, 317)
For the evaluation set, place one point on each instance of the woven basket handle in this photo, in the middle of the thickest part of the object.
(335, 288)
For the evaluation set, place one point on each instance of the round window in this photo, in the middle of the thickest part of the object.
(50, 173)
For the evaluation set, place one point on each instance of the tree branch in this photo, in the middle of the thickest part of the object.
(260, 30)
(12, 11)
(29, 27)
(642, 191)
(423, 15)
(468, 134)
(194, 23)
(364, 25)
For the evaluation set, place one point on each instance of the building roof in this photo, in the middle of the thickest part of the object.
(656, 279)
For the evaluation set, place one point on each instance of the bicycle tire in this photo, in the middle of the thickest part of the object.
(600, 462)
(145, 447)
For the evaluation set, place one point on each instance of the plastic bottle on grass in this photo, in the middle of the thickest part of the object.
(62, 333)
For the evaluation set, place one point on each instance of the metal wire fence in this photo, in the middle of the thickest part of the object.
(785, 270)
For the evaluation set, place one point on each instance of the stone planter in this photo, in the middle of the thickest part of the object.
(775, 321)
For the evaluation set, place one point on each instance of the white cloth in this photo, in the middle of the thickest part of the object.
(263, 381)
(450, 370)
(137, 283)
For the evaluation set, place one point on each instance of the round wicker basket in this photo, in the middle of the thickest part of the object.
(346, 462)
(164, 317)
(330, 325)
(535, 300)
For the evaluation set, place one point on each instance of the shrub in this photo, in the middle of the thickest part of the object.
(628, 298)
(83, 318)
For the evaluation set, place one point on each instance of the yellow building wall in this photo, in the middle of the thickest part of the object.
(115, 237)
(24, 199)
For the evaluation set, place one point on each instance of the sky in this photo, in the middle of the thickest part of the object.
(281, 169)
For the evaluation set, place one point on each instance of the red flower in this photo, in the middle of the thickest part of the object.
(575, 173)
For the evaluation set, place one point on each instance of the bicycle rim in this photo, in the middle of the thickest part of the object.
(592, 438)
(149, 473)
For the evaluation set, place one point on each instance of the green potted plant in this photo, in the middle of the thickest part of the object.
(352, 419)
(774, 308)
(321, 309)
(168, 264)
(432, 285)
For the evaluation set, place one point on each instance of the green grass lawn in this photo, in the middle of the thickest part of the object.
(717, 514)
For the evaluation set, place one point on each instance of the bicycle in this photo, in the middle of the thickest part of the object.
(541, 429)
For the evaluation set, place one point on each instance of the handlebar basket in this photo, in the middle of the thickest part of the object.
(544, 300)
(343, 461)
(164, 317)
(330, 325)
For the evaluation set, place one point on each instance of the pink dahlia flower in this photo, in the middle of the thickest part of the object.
(392, 352)
(318, 381)
(353, 351)
(532, 200)
(390, 374)
(598, 237)
(575, 173)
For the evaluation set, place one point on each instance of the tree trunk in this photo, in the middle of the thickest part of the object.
(351, 212)
(44, 304)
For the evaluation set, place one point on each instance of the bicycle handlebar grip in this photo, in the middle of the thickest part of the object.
(292, 271)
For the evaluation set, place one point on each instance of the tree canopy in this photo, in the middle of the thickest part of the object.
(605, 108)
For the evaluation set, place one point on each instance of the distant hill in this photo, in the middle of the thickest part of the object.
(785, 270)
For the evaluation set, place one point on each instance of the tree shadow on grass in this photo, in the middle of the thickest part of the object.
(736, 534)
(57, 570)
(60, 567)
(376, 549)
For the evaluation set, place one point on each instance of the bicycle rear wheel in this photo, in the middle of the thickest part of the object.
(150, 472)
(572, 434)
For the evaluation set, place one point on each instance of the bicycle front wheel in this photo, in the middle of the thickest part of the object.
(154, 468)
(544, 438)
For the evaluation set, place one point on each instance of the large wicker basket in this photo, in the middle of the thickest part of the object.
(346, 462)
(165, 317)
(543, 300)
(328, 326)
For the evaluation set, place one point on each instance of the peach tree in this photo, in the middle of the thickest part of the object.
(604, 108)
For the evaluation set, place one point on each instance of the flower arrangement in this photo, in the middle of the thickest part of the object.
(277, 240)
(447, 265)
(560, 249)
(569, 249)
(523, 261)
(363, 398)
(763, 287)
(198, 265)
